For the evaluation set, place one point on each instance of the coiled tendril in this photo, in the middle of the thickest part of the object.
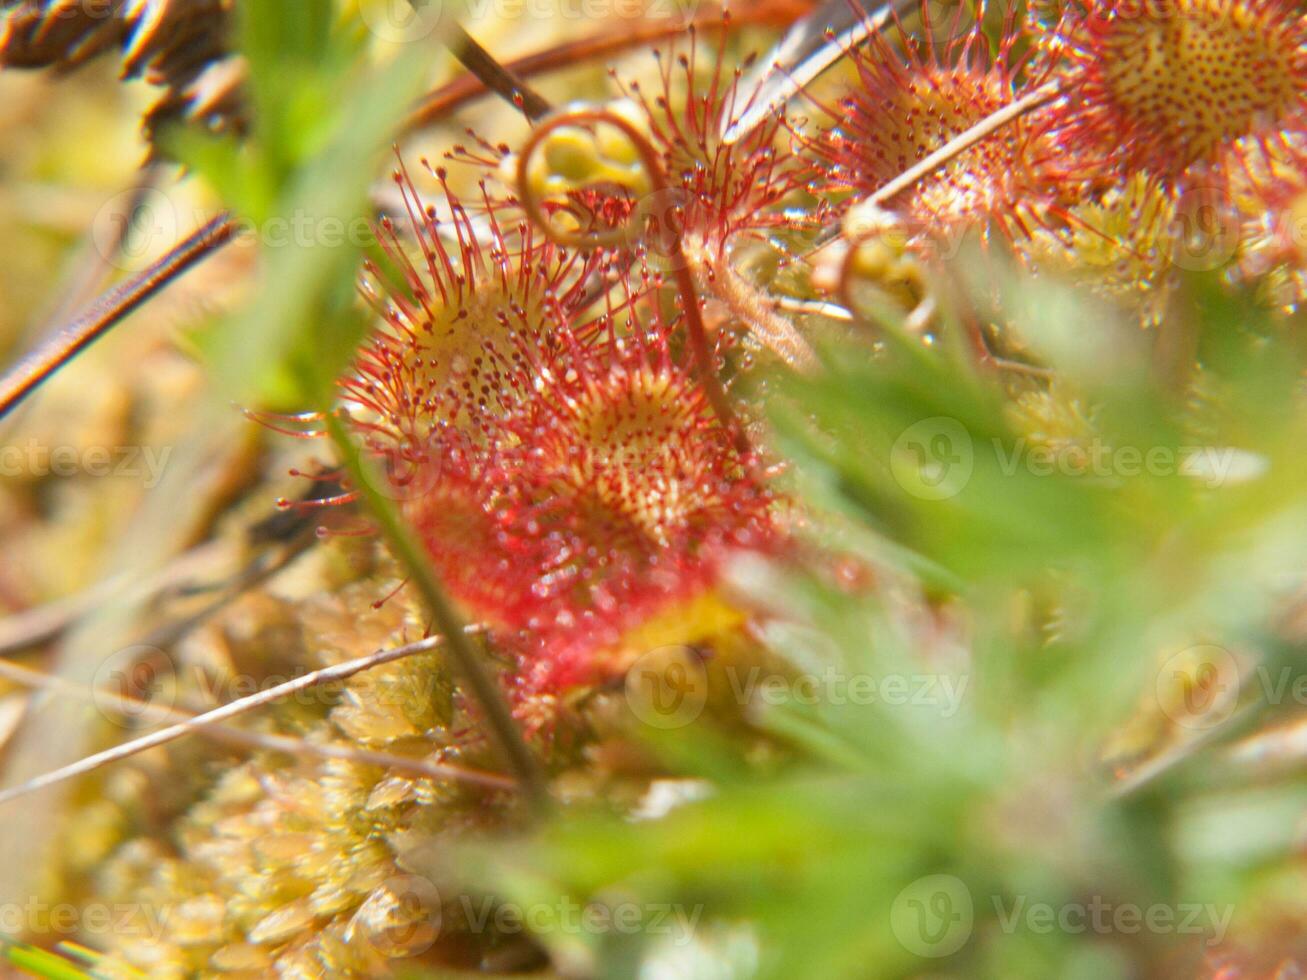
(624, 235)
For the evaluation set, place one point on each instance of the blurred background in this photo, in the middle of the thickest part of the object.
(1037, 725)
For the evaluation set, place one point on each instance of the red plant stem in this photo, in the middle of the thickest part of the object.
(105, 313)
(695, 329)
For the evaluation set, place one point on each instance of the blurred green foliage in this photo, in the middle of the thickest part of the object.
(324, 115)
(826, 866)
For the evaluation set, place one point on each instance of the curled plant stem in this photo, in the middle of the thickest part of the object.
(25, 377)
(477, 679)
(35, 369)
(695, 329)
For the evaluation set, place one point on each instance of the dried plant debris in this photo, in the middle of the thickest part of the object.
(180, 46)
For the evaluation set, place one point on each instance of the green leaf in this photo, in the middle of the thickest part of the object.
(42, 963)
(304, 325)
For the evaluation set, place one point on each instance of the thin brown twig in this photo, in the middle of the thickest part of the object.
(149, 711)
(327, 675)
(611, 40)
(928, 165)
(492, 73)
(965, 141)
(38, 366)
(498, 78)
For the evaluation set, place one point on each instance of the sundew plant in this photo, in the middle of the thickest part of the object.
(650, 489)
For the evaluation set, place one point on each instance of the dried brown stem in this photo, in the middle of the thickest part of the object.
(485, 75)
(150, 711)
(327, 675)
(498, 78)
(108, 311)
(623, 36)
(965, 141)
